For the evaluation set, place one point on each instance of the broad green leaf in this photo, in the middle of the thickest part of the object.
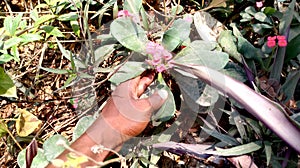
(167, 110)
(51, 30)
(57, 71)
(26, 123)
(102, 53)
(68, 16)
(176, 34)
(191, 89)
(260, 16)
(75, 27)
(129, 34)
(235, 71)
(7, 86)
(26, 38)
(81, 126)
(15, 53)
(269, 10)
(248, 50)
(268, 151)
(251, 10)
(128, 71)
(34, 15)
(38, 161)
(12, 42)
(208, 97)
(174, 9)
(239, 150)
(222, 137)
(287, 18)
(51, 149)
(289, 86)
(5, 58)
(228, 43)
(3, 128)
(43, 19)
(246, 17)
(196, 55)
(254, 126)
(11, 24)
(133, 6)
(260, 28)
(292, 49)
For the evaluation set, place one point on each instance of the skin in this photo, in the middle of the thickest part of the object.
(124, 116)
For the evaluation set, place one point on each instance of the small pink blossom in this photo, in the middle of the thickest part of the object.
(271, 43)
(282, 43)
(161, 68)
(160, 56)
(188, 19)
(271, 38)
(124, 13)
(259, 4)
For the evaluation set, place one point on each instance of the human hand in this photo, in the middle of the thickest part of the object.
(125, 114)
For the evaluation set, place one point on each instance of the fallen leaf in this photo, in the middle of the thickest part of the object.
(27, 123)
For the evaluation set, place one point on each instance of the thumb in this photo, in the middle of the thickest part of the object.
(158, 99)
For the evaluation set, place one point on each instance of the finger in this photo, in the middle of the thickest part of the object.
(144, 82)
(157, 99)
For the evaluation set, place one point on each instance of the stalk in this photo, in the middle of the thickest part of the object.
(265, 110)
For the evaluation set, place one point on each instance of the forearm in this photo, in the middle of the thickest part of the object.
(98, 134)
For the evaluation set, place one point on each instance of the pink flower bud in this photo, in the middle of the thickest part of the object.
(282, 43)
(271, 43)
(259, 4)
(124, 13)
(161, 68)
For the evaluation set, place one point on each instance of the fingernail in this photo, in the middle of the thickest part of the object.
(163, 93)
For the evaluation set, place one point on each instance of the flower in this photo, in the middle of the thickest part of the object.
(124, 13)
(160, 57)
(281, 41)
(259, 4)
(160, 68)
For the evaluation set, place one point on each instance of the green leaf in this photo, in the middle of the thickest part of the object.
(133, 6)
(191, 89)
(129, 34)
(167, 110)
(128, 71)
(235, 71)
(292, 49)
(11, 24)
(228, 43)
(196, 55)
(260, 16)
(251, 10)
(104, 8)
(246, 17)
(82, 125)
(7, 86)
(3, 128)
(269, 10)
(239, 150)
(175, 35)
(15, 53)
(287, 18)
(12, 42)
(51, 149)
(43, 19)
(248, 50)
(209, 96)
(38, 161)
(51, 30)
(102, 53)
(222, 137)
(75, 27)
(57, 71)
(5, 58)
(289, 86)
(68, 16)
(260, 28)
(26, 38)
(174, 9)
(268, 151)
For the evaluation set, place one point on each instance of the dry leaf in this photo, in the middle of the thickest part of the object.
(27, 123)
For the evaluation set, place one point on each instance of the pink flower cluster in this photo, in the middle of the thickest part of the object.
(124, 13)
(259, 4)
(272, 41)
(161, 58)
